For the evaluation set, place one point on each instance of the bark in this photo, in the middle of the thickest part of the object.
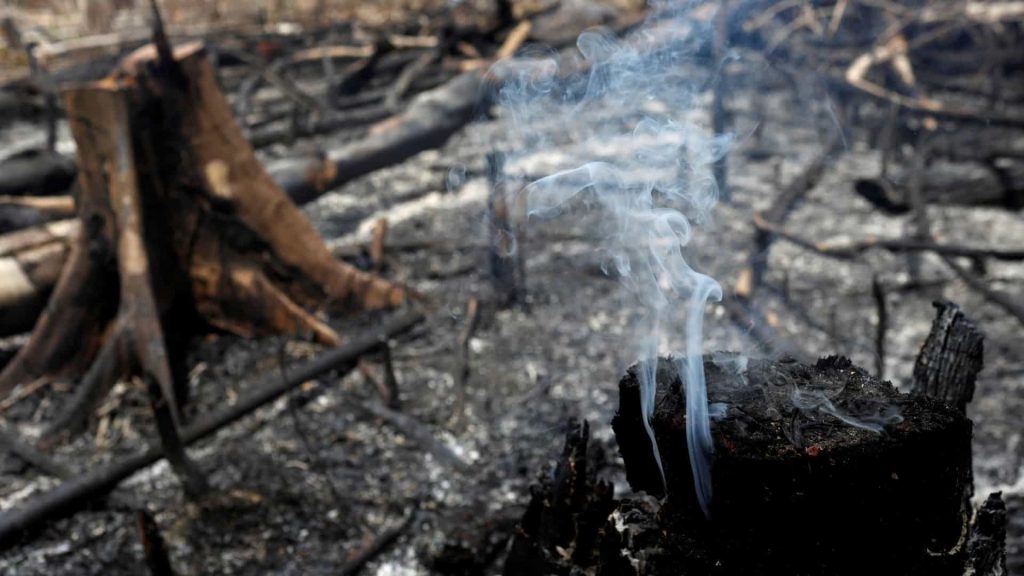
(948, 364)
(817, 470)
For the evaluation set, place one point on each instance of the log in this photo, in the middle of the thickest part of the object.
(17, 525)
(427, 123)
(31, 261)
(948, 183)
(36, 173)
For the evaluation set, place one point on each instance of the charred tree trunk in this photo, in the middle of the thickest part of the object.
(181, 229)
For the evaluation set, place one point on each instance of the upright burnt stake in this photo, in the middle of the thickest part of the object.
(504, 258)
(950, 358)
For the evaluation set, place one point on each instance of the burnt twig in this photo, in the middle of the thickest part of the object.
(882, 326)
(418, 432)
(381, 542)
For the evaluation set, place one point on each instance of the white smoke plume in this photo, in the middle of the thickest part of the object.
(647, 165)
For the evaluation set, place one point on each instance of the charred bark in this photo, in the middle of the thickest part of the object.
(817, 470)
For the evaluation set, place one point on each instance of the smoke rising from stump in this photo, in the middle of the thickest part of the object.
(646, 163)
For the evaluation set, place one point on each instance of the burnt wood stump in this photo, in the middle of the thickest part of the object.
(818, 470)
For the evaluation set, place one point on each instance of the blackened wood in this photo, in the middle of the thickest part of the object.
(427, 123)
(36, 173)
(950, 359)
(784, 204)
(986, 548)
(566, 513)
(153, 547)
(502, 260)
(72, 495)
(986, 182)
(797, 489)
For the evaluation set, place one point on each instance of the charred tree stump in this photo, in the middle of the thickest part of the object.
(818, 470)
(814, 466)
(182, 230)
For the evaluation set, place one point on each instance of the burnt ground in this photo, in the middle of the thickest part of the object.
(306, 482)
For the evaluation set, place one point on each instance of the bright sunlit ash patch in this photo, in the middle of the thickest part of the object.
(647, 165)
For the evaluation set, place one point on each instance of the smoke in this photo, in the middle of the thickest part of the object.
(635, 148)
(874, 417)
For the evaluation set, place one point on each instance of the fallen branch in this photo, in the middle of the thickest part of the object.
(419, 434)
(849, 249)
(428, 122)
(58, 206)
(1005, 301)
(72, 495)
(752, 275)
(382, 541)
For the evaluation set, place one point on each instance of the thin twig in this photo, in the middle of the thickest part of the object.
(849, 249)
(418, 432)
(378, 545)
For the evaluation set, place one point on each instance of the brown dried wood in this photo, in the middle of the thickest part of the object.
(181, 228)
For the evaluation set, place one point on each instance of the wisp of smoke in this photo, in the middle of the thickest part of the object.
(874, 419)
(648, 166)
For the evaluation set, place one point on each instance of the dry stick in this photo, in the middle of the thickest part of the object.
(10, 442)
(316, 462)
(752, 276)
(58, 206)
(718, 114)
(377, 242)
(922, 225)
(1005, 301)
(78, 491)
(153, 547)
(742, 309)
(364, 555)
(270, 75)
(419, 434)
(878, 292)
(390, 380)
(846, 250)
(42, 78)
(461, 373)
(387, 385)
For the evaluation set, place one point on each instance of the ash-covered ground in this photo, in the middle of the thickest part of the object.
(305, 483)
